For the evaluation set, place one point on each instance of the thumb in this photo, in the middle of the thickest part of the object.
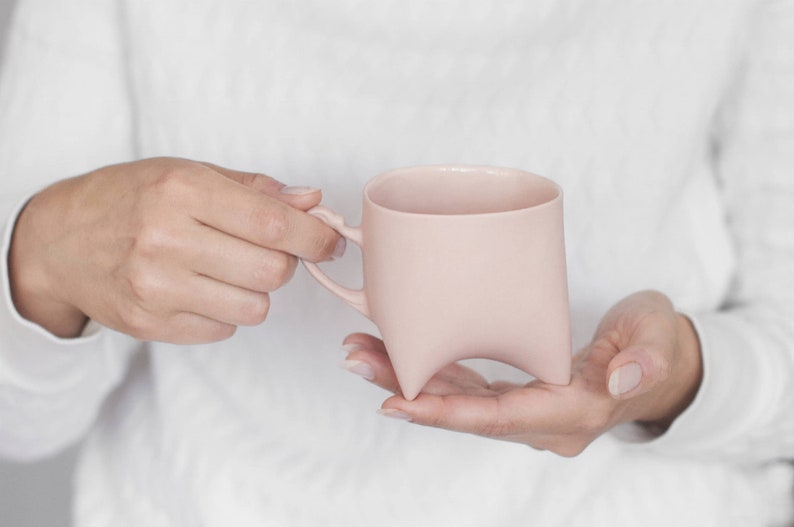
(637, 370)
(299, 197)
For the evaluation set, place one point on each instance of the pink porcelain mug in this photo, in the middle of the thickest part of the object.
(461, 262)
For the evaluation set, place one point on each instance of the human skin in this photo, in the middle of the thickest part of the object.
(162, 249)
(643, 364)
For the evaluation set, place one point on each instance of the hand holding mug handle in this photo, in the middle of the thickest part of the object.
(355, 297)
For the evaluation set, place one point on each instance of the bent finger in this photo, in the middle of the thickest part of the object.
(265, 221)
(237, 262)
(363, 341)
(298, 196)
(192, 328)
(460, 413)
(222, 302)
(368, 359)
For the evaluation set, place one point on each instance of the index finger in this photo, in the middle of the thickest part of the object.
(516, 413)
(243, 212)
(459, 412)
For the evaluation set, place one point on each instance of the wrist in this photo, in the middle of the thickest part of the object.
(33, 287)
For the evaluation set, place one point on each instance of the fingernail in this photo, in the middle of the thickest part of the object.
(625, 379)
(395, 414)
(298, 190)
(340, 248)
(360, 368)
(351, 347)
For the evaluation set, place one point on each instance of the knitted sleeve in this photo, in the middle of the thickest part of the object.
(745, 407)
(64, 110)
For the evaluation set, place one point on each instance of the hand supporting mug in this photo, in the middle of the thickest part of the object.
(461, 262)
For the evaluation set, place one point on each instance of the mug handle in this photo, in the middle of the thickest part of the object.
(355, 297)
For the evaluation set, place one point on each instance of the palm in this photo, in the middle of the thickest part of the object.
(524, 413)
(565, 419)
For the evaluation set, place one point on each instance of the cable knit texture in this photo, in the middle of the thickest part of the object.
(669, 125)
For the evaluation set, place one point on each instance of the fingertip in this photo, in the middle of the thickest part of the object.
(299, 196)
(425, 409)
(355, 341)
(352, 347)
(396, 403)
(328, 246)
(299, 190)
(354, 337)
(624, 379)
(340, 246)
(358, 367)
(362, 341)
(395, 414)
(637, 370)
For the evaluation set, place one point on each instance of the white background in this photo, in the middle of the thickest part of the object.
(33, 495)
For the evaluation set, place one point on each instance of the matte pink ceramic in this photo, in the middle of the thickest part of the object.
(462, 262)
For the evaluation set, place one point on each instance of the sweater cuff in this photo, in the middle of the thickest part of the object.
(31, 358)
(721, 410)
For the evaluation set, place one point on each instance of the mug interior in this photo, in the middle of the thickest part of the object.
(456, 190)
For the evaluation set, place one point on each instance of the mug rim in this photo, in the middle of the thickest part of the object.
(381, 178)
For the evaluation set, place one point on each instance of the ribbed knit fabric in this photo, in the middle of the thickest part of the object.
(669, 125)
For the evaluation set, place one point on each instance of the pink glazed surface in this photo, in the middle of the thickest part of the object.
(462, 262)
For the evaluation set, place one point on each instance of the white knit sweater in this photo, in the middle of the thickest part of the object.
(669, 125)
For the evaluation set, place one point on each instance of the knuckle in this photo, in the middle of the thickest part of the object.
(250, 179)
(173, 180)
(184, 328)
(571, 448)
(593, 421)
(274, 273)
(281, 270)
(657, 297)
(263, 280)
(289, 269)
(663, 370)
(256, 310)
(136, 322)
(494, 428)
(502, 423)
(221, 332)
(171, 188)
(438, 421)
(150, 240)
(143, 286)
(275, 224)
